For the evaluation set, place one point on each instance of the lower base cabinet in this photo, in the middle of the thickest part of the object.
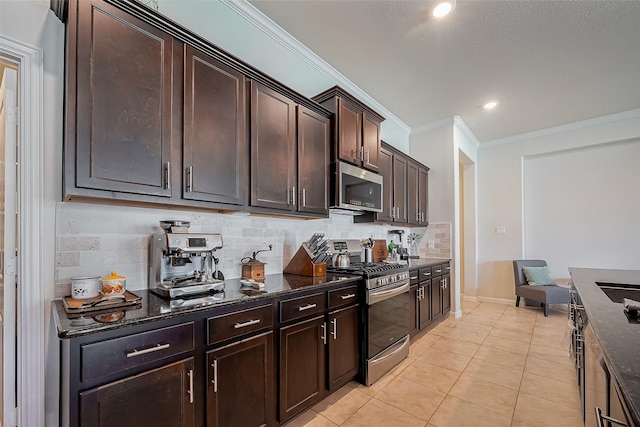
(126, 402)
(240, 383)
(302, 366)
(423, 307)
(344, 345)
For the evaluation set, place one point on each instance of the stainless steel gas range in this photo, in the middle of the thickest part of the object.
(386, 318)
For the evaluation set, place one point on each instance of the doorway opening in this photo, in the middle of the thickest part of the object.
(467, 226)
(8, 239)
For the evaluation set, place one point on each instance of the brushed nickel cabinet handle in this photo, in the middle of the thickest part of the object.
(167, 176)
(304, 197)
(293, 196)
(245, 324)
(157, 347)
(368, 158)
(347, 296)
(334, 332)
(324, 333)
(190, 391)
(307, 307)
(214, 381)
(189, 179)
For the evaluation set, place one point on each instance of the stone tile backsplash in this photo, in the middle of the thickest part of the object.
(93, 239)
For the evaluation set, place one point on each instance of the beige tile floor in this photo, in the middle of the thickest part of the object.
(496, 365)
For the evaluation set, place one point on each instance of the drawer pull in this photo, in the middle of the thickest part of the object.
(347, 296)
(307, 307)
(249, 323)
(334, 331)
(426, 274)
(158, 347)
(413, 277)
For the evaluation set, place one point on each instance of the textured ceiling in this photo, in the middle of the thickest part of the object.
(548, 62)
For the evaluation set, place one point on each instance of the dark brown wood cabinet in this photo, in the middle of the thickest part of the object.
(446, 293)
(120, 90)
(440, 290)
(314, 136)
(302, 366)
(160, 397)
(273, 149)
(156, 114)
(289, 154)
(356, 128)
(240, 383)
(404, 190)
(343, 346)
(424, 304)
(399, 208)
(214, 136)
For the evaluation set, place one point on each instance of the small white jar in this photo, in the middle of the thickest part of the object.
(85, 287)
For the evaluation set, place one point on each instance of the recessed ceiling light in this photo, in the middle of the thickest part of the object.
(490, 105)
(443, 8)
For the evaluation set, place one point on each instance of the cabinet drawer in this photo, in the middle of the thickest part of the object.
(414, 276)
(426, 273)
(437, 270)
(118, 354)
(302, 307)
(446, 268)
(343, 297)
(238, 323)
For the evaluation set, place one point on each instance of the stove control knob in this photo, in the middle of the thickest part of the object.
(392, 279)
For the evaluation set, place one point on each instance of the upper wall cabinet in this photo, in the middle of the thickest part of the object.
(119, 99)
(289, 154)
(356, 129)
(405, 190)
(214, 130)
(156, 114)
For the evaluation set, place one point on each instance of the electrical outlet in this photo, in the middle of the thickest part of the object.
(432, 244)
(501, 229)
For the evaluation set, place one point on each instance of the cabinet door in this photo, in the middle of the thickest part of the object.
(386, 170)
(159, 397)
(302, 366)
(413, 213)
(425, 304)
(121, 138)
(273, 149)
(314, 133)
(349, 132)
(423, 196)
(370, 143)
(446, 293)
(400, 188)
(214, 130)
(344, 346)
(240, 384)
(436, 298)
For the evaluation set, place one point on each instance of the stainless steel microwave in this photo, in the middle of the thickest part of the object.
(357, 189)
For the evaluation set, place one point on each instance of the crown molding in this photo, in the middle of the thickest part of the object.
(565, 128)
(460, 124)
(432, 126)
(258, 19)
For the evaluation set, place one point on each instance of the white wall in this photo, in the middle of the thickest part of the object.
(586, 214)
(500, 195)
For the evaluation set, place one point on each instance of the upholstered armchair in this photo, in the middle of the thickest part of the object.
(543, 294)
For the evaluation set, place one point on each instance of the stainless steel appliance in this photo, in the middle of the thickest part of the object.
(181, 263)
(386, 319)
(355, 188)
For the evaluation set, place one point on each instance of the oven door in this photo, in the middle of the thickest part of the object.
(388, 316)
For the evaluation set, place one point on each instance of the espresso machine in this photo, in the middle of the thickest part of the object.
(182, 263)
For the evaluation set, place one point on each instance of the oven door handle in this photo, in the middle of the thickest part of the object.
(375, 297)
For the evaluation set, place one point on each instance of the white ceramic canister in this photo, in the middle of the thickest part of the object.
(85, 287)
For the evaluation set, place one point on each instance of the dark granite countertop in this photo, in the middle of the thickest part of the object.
(618, 335)
(425, 262)
(154, 308)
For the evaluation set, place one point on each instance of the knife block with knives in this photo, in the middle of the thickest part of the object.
(311, 258)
